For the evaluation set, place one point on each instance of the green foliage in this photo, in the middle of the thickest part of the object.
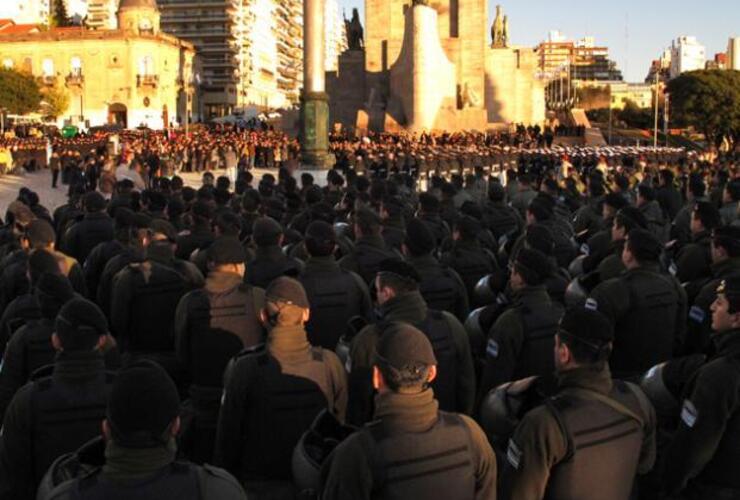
(59, 16)
(19, 92)
(709, 101)
(55, 101)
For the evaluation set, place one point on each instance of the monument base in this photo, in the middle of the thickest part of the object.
(314, 134)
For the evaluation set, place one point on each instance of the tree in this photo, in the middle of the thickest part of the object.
(19, 92)
(59, 16)
(709, 101)
(55, 102)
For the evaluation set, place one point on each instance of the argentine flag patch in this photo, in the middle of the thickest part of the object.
(697, 314)
(591, 304)
(492, 348)
(689, 413)
(585, 250)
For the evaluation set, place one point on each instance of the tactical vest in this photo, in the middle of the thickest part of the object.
(331, 296)
(180, 480)
(279, 409)
(63, 417)
(439, 290)
(221, 326)
(501, 220)
(472, 266)
(604, 435)
(437, 463)
(645, 336)
(37, 351)
(157, 292)
(368, 260)
(540, 326)
(438, 331)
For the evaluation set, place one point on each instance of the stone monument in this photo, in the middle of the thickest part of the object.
(427, 65)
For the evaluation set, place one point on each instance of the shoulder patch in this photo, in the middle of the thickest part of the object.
(591, 304)
(585, 249)
(513, 454)
(689, 413)
(673, 269)
(697, 314)
(492, 348)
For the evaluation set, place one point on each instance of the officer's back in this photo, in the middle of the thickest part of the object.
(593, 436)
(370, 248)
(95, 227)
(140, 426)
(335, 295)
(399, 299)
(269, 262)
(57, 413)
(274, 392)
(411, 450)
(647, 307)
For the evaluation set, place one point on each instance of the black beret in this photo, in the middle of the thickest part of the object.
(80, 318)
(55, 286)
(265, 230)
(226, 250)
(143, 402)
(646, 192)
(496, 191)
(532, 265)
(540, 208)
(94, 202)
(287, 290)
(419, 238)
(321, 231)
(400, 269)
(468, 227)
(644, 245)
(202, 209)
(402, 345)
(631, 217)
(616, 201)
(588, 325)
(159, 226)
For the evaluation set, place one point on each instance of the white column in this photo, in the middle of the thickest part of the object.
(313, 46)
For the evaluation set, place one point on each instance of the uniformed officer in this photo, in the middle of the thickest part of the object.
(399, 299)
(60, 410)
(140, 426)
(725, 248)
(593, 436)
(273, 393)
(335, 295)
(412, 449)
(647, 307)
(269, 261)
(705, 451)
(370, 248)
(521, 340)
(441, 287)
(211, 326)
(694, 259)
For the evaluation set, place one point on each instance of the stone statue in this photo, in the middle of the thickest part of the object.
(467, 97)
(497, 30)
(505, 34)
(355, 32)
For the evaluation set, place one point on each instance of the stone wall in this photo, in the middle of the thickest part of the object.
(513, 94)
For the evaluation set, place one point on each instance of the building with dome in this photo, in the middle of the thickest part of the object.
(135, 75)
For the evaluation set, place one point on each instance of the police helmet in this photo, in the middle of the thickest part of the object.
(325, 433)
(500, 410)
(77, 464)
(653, 385)
(576, 266)
(575, 294)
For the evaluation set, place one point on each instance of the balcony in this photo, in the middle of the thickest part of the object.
(74, 79)
(143, 81)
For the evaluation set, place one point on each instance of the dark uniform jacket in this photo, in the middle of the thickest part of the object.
(411, 308)
(272, 394)
(694, 260)
(270, 263)
(366, 257)
(96, 261)
(441, 286)
(336, 296)
(648, 309)
(578, 444)
(438, 455)
(38, 428)
(82, 237)
(705, 450)
(198, 238)
(148, 474)
(471, 262)
(521, 341)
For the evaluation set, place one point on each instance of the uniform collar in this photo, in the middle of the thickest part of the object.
(220, 282)
(408, 412)
(409, 307)
(586, 377)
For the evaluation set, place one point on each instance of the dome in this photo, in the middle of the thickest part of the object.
(137, 4)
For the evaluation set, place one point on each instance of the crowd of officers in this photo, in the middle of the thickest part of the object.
(571, 333)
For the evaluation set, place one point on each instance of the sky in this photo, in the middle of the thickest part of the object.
(636, 31)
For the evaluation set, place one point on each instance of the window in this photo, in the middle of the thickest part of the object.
(47, 67)
(8, 63)
(146, 65)
(75, 66)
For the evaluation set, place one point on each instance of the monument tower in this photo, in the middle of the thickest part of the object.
(427, 64)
